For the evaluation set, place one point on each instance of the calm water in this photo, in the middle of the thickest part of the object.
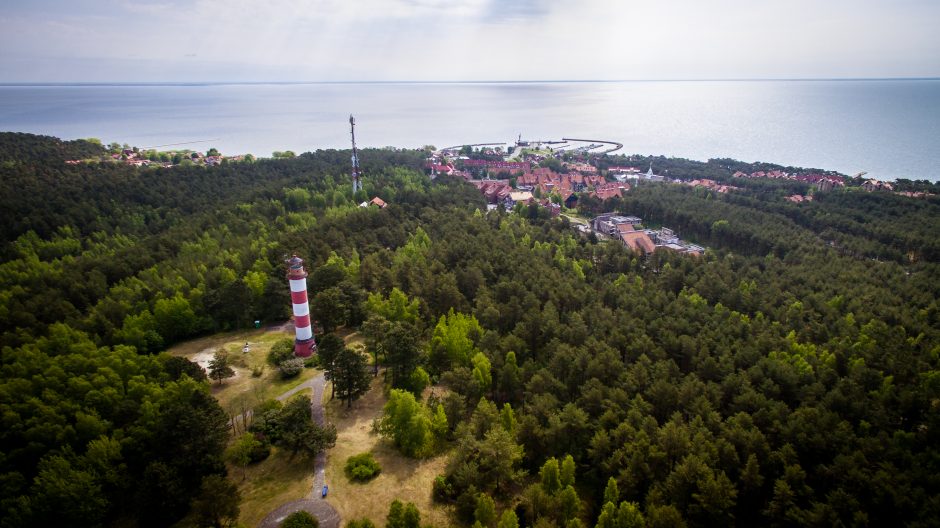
(888, 128)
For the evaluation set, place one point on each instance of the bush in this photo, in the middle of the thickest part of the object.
(260, 451)
(441, 490)
(257, 371)
(281, 352)
(360, 523)
(362, 467)
(249, 448)
(300, 519)
(291, 367)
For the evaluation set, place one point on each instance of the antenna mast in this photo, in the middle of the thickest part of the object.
(357, 185)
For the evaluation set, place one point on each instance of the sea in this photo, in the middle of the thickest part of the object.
(886, 128)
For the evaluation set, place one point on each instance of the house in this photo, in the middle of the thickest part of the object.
(436, 169)
(828, 184)
(875, 185)
(606, 191)
(527, 180)
(665, 236)
(623, 229)
(495, 191)
(553, 208)
(378, 202)
(607, 223)
(595, 181)
(638, 241)
(617, 169)
(511, 166)
(583, 168)
(571, 201)
(548, 181)
(515, 197)
(704, 182)
(711, 185)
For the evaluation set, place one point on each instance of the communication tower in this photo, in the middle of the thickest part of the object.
(357, 184)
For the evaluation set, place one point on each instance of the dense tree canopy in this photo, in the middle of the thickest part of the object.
(788, 376)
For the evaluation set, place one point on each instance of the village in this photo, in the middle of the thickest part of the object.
(549, 174)
(524, 178)
(137, 157)
(555, 175)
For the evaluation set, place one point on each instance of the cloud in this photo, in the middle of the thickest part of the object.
(470, 39)
(150, 8)
(516, 10)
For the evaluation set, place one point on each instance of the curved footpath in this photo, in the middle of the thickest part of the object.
(312, 503)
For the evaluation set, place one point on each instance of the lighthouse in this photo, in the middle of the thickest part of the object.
(304, 344)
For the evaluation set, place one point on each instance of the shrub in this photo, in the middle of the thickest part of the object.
(291, 367)
(441, 490)
(260, 451)
(362, 467)
(281, 352)
(257, 371)
(361, 523)
(300, 519)
(249, 448)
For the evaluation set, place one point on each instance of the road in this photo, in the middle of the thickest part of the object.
(312, 503)
(575, 219)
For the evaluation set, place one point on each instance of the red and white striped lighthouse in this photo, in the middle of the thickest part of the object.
(304, 345)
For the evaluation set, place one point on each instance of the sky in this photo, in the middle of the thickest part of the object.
(464, 40)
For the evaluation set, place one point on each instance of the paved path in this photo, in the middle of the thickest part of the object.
(310, 383)
(316, 410)
(312, 503)
(318, 508)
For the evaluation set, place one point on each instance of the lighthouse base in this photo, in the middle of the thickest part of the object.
(305, 348)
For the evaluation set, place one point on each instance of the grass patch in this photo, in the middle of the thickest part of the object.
(244, 388)
(402, 478)
(355, 340)
(279, 478)
(270, 483)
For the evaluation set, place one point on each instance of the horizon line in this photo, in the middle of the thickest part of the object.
(491, 81)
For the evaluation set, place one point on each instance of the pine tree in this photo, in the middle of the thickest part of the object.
(219, 368)
(350, 376)
(549, 476)
(611, 493)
